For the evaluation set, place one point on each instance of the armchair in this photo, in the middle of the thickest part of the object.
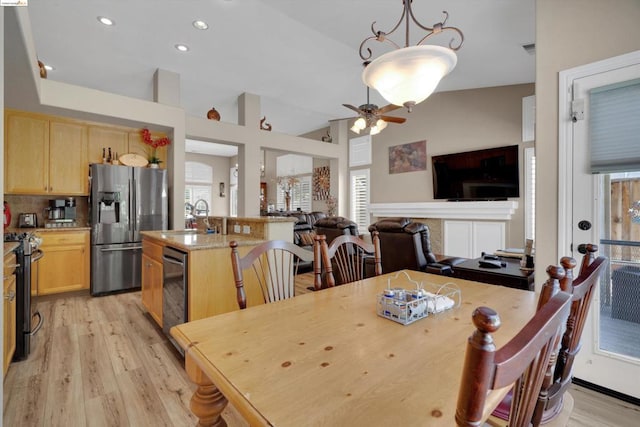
(405, 244)
(334, 226)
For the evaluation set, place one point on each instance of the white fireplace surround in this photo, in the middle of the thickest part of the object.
(485, 210)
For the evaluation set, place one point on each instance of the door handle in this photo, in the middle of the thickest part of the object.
(121, 249)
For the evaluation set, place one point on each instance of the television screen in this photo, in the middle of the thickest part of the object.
(490, 174)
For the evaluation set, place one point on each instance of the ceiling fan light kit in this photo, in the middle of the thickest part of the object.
(407, 75)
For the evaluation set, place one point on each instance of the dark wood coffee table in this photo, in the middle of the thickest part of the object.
(510, 276)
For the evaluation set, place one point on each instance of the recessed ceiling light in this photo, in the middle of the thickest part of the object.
(200, 25)
(182, 47)
(105, 21)
(49, 68)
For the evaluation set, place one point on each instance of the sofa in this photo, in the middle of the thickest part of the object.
(405, 244)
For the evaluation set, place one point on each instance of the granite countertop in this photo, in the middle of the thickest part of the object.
(263, 219)
(46, 230)
(10, 247)
(193, 241)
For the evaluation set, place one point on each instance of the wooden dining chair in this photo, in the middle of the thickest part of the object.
(348, 255)
(522, 362)
(274, 265)
(550, 402)
(554, 402)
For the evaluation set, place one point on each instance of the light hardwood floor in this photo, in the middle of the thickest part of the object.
(103, 362)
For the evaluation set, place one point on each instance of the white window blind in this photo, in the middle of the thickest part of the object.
(300, 195)
(614, 127)
(360, 151)
(360, 198)
(530, 193)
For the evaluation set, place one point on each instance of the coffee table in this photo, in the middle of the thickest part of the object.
(510, 276)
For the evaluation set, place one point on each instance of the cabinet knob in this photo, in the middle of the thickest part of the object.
(11, 296)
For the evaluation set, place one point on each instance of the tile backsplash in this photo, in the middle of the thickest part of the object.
(38, 204)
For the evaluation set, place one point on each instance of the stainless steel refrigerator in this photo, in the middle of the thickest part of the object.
(123, 201)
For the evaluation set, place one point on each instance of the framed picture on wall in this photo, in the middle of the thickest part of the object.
(408, 157)
(321, 183)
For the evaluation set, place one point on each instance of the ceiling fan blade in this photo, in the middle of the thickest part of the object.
(392, 119)
(388, 108)
(356, 109)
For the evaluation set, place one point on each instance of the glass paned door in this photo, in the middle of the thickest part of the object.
(619, 308)
(602, 212)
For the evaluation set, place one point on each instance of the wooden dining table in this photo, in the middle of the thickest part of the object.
(328, 358)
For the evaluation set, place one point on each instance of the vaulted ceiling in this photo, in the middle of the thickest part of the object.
(300, 56)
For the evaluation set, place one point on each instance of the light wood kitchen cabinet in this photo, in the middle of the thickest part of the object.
(104, 138)
(26, 153)
(9, 318)
(65, 265)
(46, 156)
(152, 279)
(68, 166)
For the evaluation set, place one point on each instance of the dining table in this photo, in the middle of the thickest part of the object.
(329, 358)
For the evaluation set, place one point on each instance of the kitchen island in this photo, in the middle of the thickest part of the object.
(208, 275)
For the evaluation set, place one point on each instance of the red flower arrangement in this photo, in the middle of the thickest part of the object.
(154, 144)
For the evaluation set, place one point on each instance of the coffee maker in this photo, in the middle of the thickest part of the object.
(61, 213)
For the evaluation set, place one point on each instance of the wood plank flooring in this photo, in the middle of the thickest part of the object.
(104, 362)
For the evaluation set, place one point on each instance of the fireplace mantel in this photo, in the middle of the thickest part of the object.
(499, 210)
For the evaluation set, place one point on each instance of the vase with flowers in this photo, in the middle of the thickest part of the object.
(332, 205)
(154, 159)
(286, 184)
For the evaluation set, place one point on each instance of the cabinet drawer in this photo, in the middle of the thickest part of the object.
(152, 250)
(9, 264)
(64, 238)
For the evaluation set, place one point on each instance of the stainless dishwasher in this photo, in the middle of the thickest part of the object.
(174, 290)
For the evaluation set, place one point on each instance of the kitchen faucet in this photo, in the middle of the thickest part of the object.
(198, 211)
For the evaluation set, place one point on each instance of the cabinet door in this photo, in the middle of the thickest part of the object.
(152, 287)
(9, 323)
(488, 237)
(137, 146)
(68, 167)
(458, 239)
(26, 154)
(103, 138)
(65, 265)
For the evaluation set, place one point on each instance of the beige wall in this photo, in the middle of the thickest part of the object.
(452, 122)
(569, 33)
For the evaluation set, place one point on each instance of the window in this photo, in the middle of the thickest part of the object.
(233, 191)
(360, 198)
(529, 193)
(198, 182)
(300, 195)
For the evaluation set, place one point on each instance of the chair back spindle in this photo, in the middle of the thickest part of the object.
(522, 361)
(274, 264)
(348, 255)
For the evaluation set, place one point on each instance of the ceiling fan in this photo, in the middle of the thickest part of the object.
(372, 117)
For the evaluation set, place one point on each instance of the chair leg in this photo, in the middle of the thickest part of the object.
(562, 419)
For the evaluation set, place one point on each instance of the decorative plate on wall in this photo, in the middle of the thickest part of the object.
(133, 159)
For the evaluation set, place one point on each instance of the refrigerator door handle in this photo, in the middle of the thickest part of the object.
(121, 249)
(132, 204)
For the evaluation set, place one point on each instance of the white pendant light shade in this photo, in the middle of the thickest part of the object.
(408, 76)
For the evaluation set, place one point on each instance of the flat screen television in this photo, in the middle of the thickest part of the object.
(490, 174)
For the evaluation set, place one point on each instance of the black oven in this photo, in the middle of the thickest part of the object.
(28, 319)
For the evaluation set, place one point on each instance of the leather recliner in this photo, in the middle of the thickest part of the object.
(405, 244)
(334, 226)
